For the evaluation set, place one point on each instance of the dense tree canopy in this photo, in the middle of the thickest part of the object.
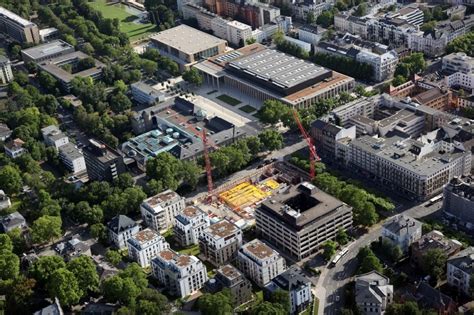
(219, 303)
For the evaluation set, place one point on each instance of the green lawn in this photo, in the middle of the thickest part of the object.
(192, 250)
(248, 109)
(229, 99)
(133, 30)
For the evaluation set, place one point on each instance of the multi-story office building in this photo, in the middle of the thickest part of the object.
(461, 270)
(145, 245)
(301, 219)
(103, 162)
(458, 201)
(182, 275)
(373, 293)
(180, 44)
(220, 242)
(236, 33)
(6, 74)
(259, 262)
(159, 211)
(416, 168)
(189, 225)
(121, 228)
(46, 51)
(298, 287)
(264, 73)
(72, 158)
(18, 28)
(54, 137)
(351, 24)
(364, 106)
(326, 134)
(402, 231)
(410, 13)
(240, 287)
(311, 34)
(146, 94)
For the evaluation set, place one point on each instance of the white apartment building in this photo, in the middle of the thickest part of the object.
(350, 24)
(395, 32)
(238, 33)
(220, 242)
(259, 262)
(182, 275)
(432, 44)
(311, 34)
(461, 270)
(301, 10)
(145, 245)
(402, 231)
(6, 74)
(120, 229)
(383, 64)
(301, 44)
(461, 68)
(158, 212)
(373, 293)
(73, 159)
(298, 287)
(189, 225)
(54, 137)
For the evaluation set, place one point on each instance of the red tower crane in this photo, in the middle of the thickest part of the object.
(207, 160)
(313, 155)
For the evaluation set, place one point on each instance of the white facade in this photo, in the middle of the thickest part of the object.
(259, 262)
(145, 94)
(311, 35)
(158, 212)
(462, 68)
(301, 10)
(303, 45)
(461, 270)
(373, 293)
(14, 148)
(402, 231)
(6, 74)
(238, 33)
(120, 229)
(384, 65)
(54, 137)
(72, 158)
(430, 44)
(189, 225)
(182, 275)
(145, 245)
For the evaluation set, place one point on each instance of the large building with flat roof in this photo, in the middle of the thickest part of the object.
(187, 45)
(103, 162)
(18, 28)
(265, 73)
(46, 51)
(6, 74)
(298, 221)
(55, 67)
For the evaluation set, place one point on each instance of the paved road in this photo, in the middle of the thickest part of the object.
(332, 280)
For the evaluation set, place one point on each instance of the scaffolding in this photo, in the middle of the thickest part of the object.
(243, 195)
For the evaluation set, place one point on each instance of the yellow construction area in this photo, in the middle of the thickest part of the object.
(247, 194)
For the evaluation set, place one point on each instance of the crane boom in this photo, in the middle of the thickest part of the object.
(313, 155)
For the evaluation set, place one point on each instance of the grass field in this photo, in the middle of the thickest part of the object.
(248, 109)
(229, 99)
(134, 30)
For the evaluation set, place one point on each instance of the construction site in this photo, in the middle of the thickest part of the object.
(237, 199)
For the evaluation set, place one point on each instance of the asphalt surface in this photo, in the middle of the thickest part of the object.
(332, 280)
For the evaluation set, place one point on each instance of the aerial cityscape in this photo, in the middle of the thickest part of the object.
(220, 157)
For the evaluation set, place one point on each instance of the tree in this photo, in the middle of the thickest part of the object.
(5, 243)
(156, 303)
(267, 308)
(126, 286)
(9, 265)
(47, 81)
(11, 179)
(341, 237)
(120, 86)
(271, 139)
(282, 298)
(164, 168)
(250, 41)
(325, 19)
(46, 228)
(119, 102)
(464, 43)
(398, 80)
(272, 111)
(83, 267)
(433, 263)
(20, 297)
(368, 261)
(329, 249)
(407, 308)
(99, 231)
(113, 257)
(310, 18)
(254, 144)
(44, 267)
(64, 285)
(192, 76)
(219, 303)
(18, 241)
(361, 9)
